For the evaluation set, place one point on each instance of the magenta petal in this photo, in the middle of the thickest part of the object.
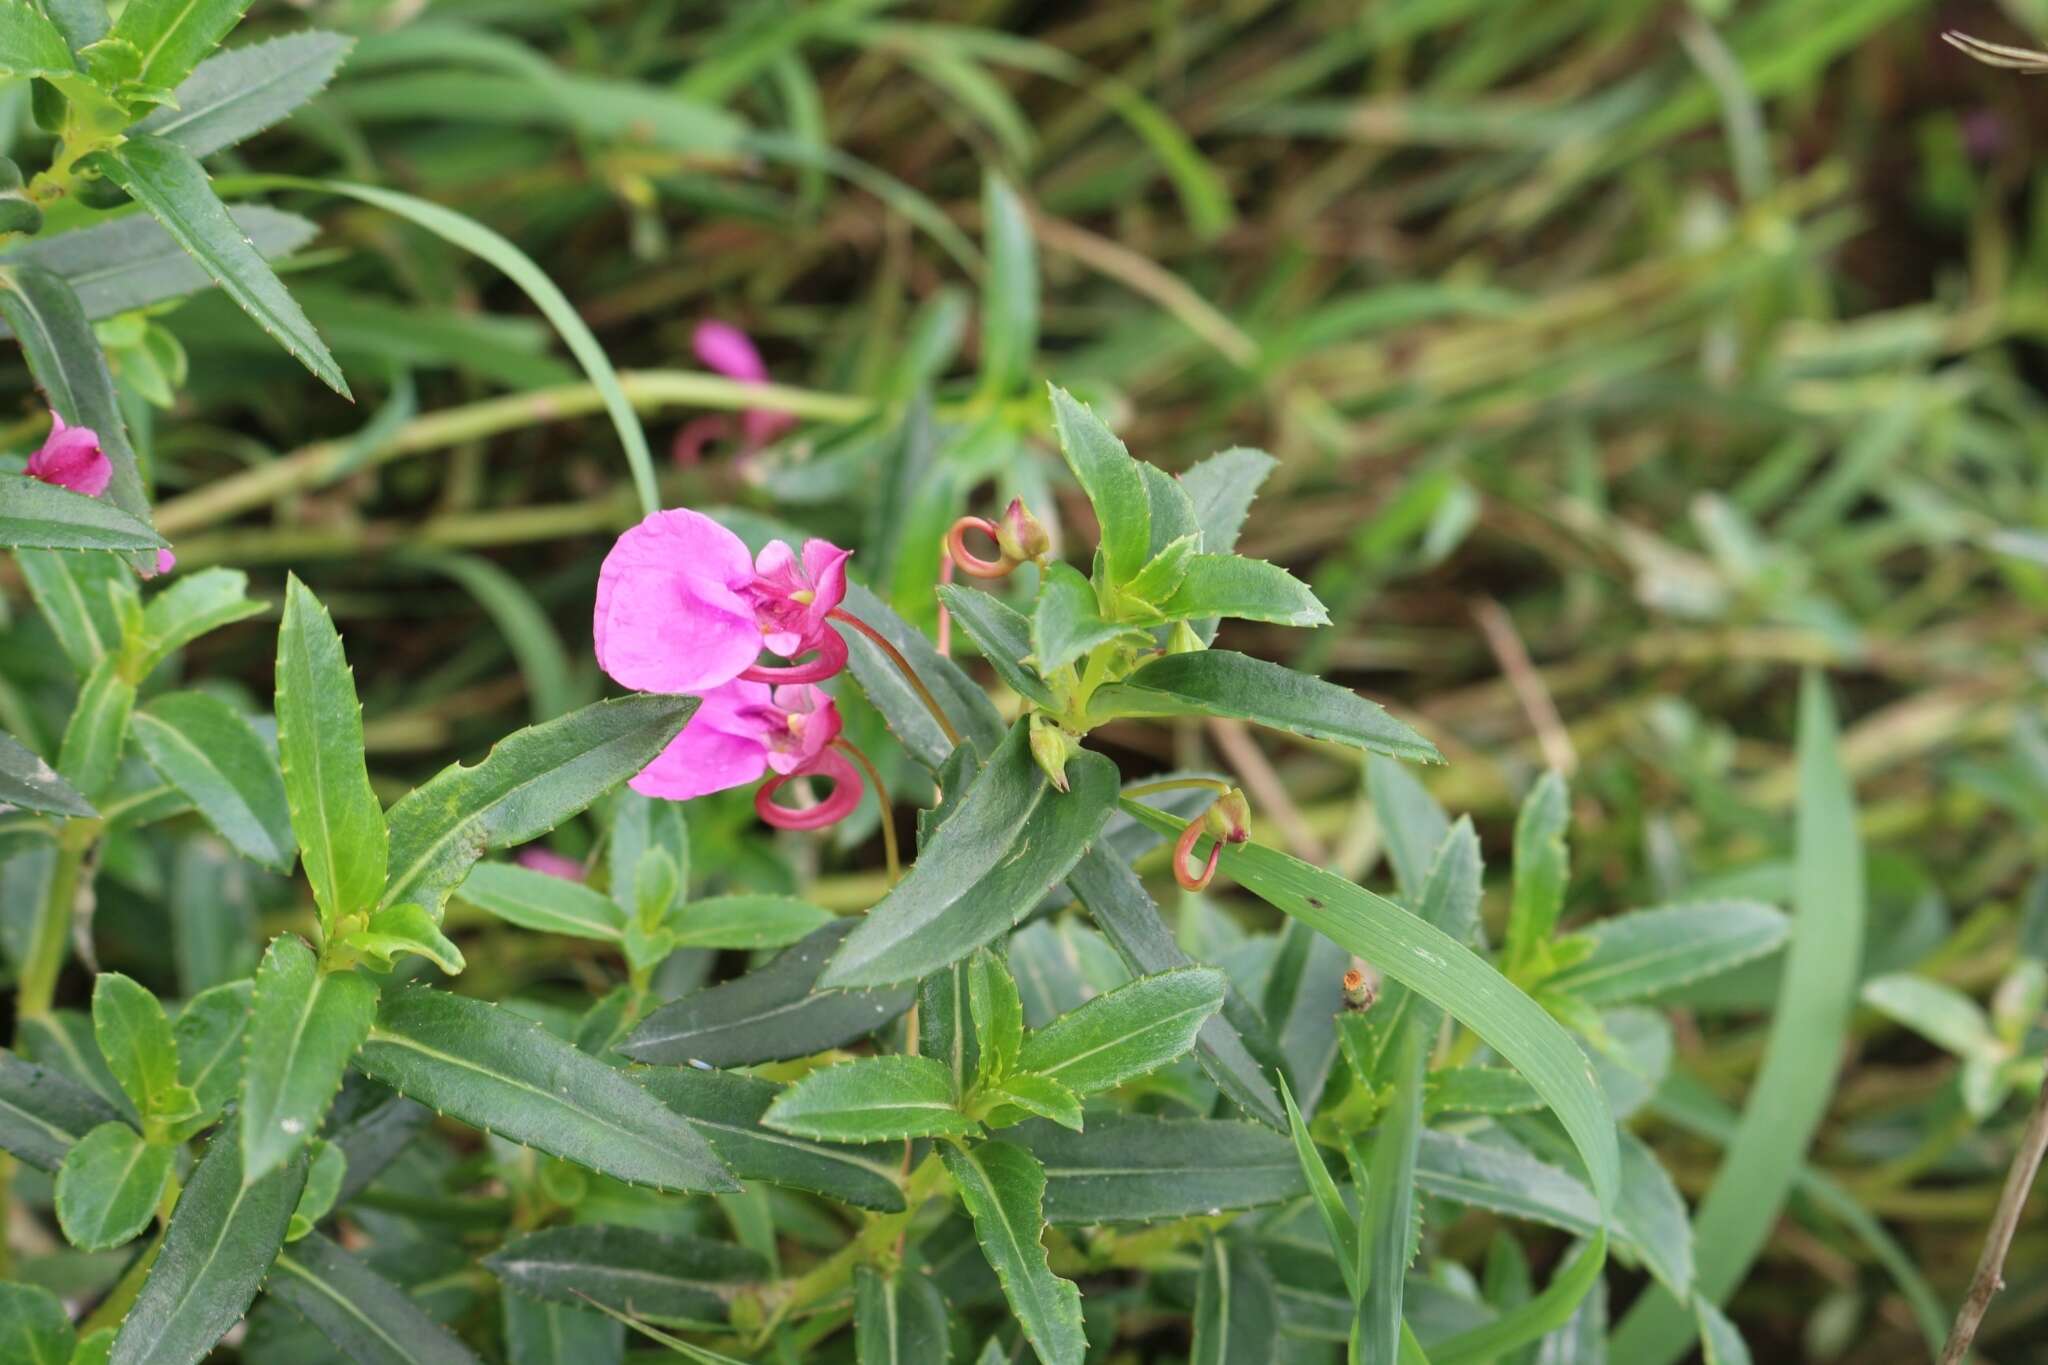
(165, 561)
(669, 615)
(726, 349)
(816, 725)
(71, 458)
(535, 858)
(723, 746)
(825, 566)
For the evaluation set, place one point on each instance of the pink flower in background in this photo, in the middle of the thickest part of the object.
(682, 607)
(71, 458)
(729, 351)
(534, 858)
(165, 561)
(742, 732)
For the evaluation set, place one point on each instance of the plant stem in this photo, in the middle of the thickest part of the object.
(2005, 1221)
(36, 991)
(867, 767)
(1175, 784)
(895, 656)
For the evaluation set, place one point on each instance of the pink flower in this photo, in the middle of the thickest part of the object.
(726, 349)
(682, 608)
(165, 562)
(535, 858)
(71, 458)
(742, 732)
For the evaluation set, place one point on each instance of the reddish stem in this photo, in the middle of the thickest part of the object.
(831, 658)
(969, 562)
(1183, 847)
(895, 656)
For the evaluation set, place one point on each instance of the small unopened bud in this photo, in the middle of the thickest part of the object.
(1021, 535)
(1051, 747)
(1183, 640)
(1361, 987)
(1230, 818)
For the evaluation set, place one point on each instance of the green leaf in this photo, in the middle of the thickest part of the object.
(1222, 488)
(237, 94)
(189, 608)
(34, 1328)
(1173, 522)
(1443, 971)
(1009, 298)
(726, 1108)
(1134, 1029)
(1411, 821)
(772, 1013)
(39, 515)
(1003, 1187)
(1542, 868)
(1110, 478)
(42, 1112)
(131, 262)
(1237, 1313)
(1642, 954)
(1479, 1090)
(1449, 901)
(335, 815)
(1040, 1096)
(400, 929)
(1216, 682)
(1013, 838)
(1068, 622)
(66, 359)
(963, 700)
(368, 1319)
(169, 181)
(1386, 1230)
(1789, 1096)
(109, 1185)
(30, 783)
(30, 45)
(996, 1011)
(1003, 636)
(544, 903)
(1937, 1012)
(899, 1319)
(173, 35)
(1134, 1168)
(1248, 589)
(204, 748)
(223, 1237)
(507, 1075)
(1165, 571)
(541, 1333)
(1720, 1342)
(210, 1031)
(304, 1026)
(660, 1277)
(84, 598)
(872, 1099)
(135, 1037)
(90, 753)
(530, 782)
(1338, 1226)
(326, 1167)
(1563, 1301)
(747, 922)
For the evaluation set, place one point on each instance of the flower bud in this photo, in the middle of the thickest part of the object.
(1051, 747)
(1183, 640)
(1230, 818)
(1020, 535)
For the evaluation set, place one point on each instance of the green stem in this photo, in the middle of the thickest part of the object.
(37, 989)
(1175, 784)
(874, 1243)
(114, 1307)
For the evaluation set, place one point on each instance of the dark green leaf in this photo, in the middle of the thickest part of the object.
(109, 1185)
(871, 1099)
(771, 1014)
(1110, 477)
(34, 1328)
(304, 1025)
(1216, 682)
(1644, 953)
(1237, 1316)
(370, 1320)
(90, 754)
(210, 1031)
(669, 1279)
(1003, 636)
(1003, 1188)
(42, 1113)
(132, 262)
(964, 702)
(530, 782)
(237, 94)
(509, 1076)
(898, 1319)
(83, 597)
(1131, 1168)
(204, 748)
(38, 515)
(223, 1236)
(1134, 1029)
(1412, 823)
(541, 1333)
(1013, 838)
(30, 783)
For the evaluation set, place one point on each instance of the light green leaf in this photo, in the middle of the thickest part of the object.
(1134, 1029)
(1222, 488)
(173, 35)
(746, 922)
(399, 929)
(1009, 301)
(1640, 955)
(997, 1013)
(1164, 572)
(38, 515)
(1110, 477)
(84, 598)
(1576, 1285)
(210, 1033)
(1040, 1096)
(30, 45)
(530, 782)
(204, 748)
(1003, 1189)
(1337, 1221)
(28, 782)
(135, 1038)
(335, 815)
(1386, 1230)
(304, 1026)
(1936, 1011)
(1067, 622)
(1217, 682)
(541, 1333)
(326, 1167)
(1247, 589)
(90, 753)
(507, 1075)
(189, 608)
(872, 1099)
(109, 1185)
(368, 1319)
(546, 904)
(236, 94)
(660, 1277)
(1542, 868)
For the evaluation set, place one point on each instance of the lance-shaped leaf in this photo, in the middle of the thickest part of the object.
(1134, 1029)
(1222, 488)
(134, 1035)
(238, 93)
(1542, 867)
(872, 1099)
(771, 1014)
(1237, 1315)
(541, 1333)
(530, 782)
(544, 903)
(89, 755)
(1640, 955)
(899, 1319)
(1012, 839)
(652, 1275)
(1248, 589)
(966, 705)
(1132, 1168)
(211, 1032)
(509, 1076)
(1003, 636)
(28, 782)
(1067, 621)
(37, 515)
(223, 1236)
(335, 815)
(109, 1185)
(726, 1108)
(304, 1025)
(30, 45)
(189, 608)
(1003, 1189)
(169, 181)
(211, 754)
(1216, 682)
(1387, 1225)
(42, 1113)
(1110, 477)
(83, 598)
(369, 1319)
(172, 35)
(132, 262)
(746, 922)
